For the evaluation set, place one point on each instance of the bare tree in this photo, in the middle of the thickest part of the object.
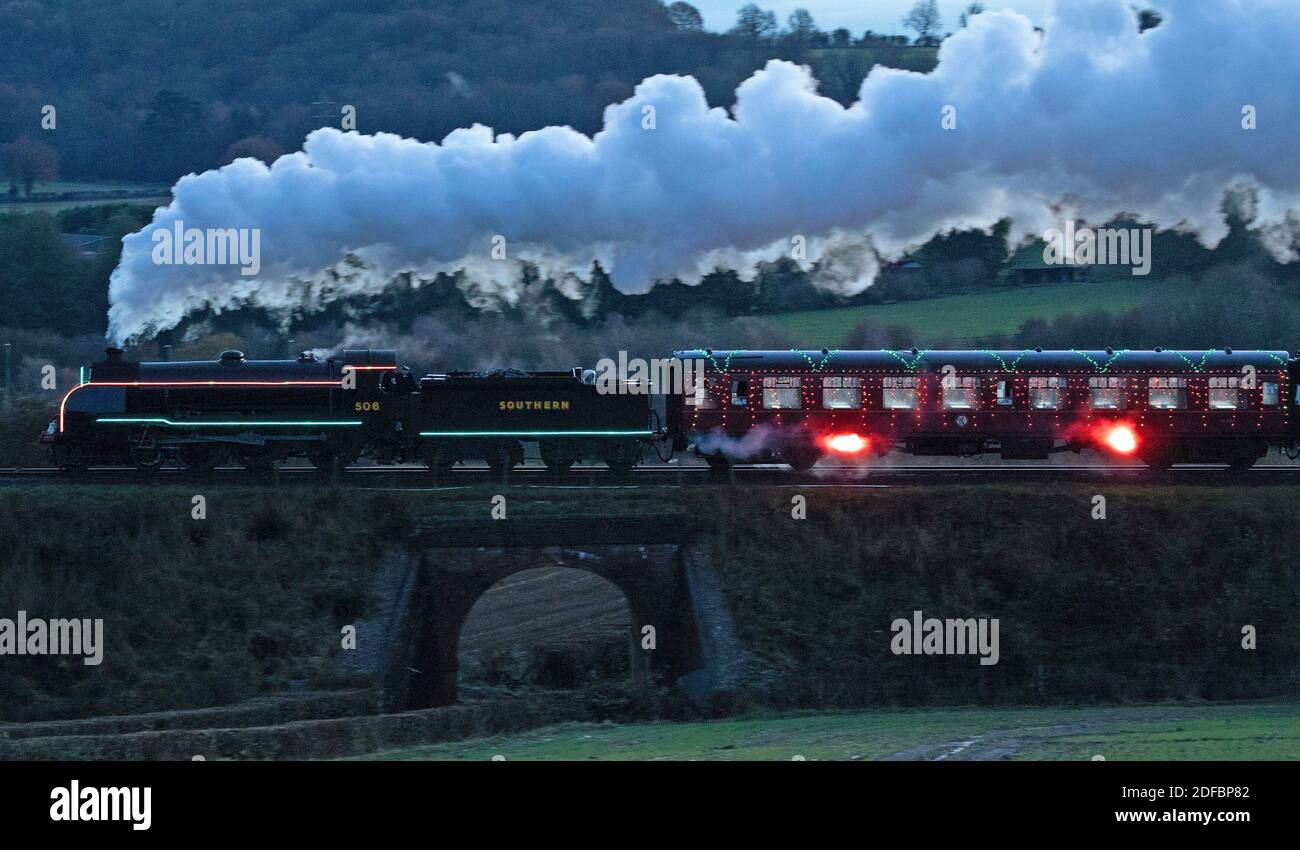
(26, 161)
(685, 17)
(754, 24)
(924, 19)
(800, 25)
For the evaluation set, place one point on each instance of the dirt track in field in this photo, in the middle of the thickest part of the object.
(547, 608)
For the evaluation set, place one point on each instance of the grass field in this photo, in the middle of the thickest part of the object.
(965, 318)
(141, 193)
(1191, 732)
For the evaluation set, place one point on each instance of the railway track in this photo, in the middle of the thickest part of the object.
(690, 474)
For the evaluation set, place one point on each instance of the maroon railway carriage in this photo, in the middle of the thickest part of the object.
(1217, 406)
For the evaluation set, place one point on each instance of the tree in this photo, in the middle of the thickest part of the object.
(754, 24)
(685, 17)
(27, 161)
(971, 11)
(841, 38)
(800, 25)
(924, 20)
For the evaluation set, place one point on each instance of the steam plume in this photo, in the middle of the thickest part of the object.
(1087, 120)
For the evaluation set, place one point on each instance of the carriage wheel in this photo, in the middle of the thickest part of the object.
(802, 458)
(201, 457)
(718, 463)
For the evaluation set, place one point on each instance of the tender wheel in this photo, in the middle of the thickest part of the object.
(621, 457)
(257, 459)
(148, 458)
(558, 455)
(200, 457)
(503, 457)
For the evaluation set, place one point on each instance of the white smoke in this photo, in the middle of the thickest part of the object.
(1086, 120)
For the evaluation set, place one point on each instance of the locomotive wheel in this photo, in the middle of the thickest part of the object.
(256, 458)
(71, 457)
(148, 458)
(439, 457)
(201, 457)
(325, 457)
(558, 456)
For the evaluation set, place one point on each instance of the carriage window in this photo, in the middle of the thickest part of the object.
(705, 400)
(1270, 393)
(782, 393)
(899, 393)
(1005, 397)
(739, 393)
(1045, 393)
(1109, 393)
(1225, 393)
(841, 393)
(1167, 393)
(962, 395)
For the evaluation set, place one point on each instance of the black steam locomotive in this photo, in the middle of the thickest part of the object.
(792, 407)
(332, 411)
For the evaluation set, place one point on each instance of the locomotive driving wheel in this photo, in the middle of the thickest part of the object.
(72, 457)
(438, 456)
(257, 458)
(201, 457)
(148, 458)
(326, 457)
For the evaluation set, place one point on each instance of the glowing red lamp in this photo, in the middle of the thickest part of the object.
(847, 444)
(1121, 439)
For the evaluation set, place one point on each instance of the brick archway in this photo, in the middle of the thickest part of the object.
(643, 559)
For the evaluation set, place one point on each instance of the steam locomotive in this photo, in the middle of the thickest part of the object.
(793, 407)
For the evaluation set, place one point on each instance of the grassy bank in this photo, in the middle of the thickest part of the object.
(1200, 732)
(1146, 605)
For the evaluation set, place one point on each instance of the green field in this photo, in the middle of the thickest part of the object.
(965, 318)
(1192, 732)
(141, 193)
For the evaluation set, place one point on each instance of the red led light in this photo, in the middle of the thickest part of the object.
(846, 444)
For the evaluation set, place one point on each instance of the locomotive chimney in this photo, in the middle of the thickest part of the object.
(113, 355)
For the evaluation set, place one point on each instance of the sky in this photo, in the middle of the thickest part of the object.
(859, 15)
